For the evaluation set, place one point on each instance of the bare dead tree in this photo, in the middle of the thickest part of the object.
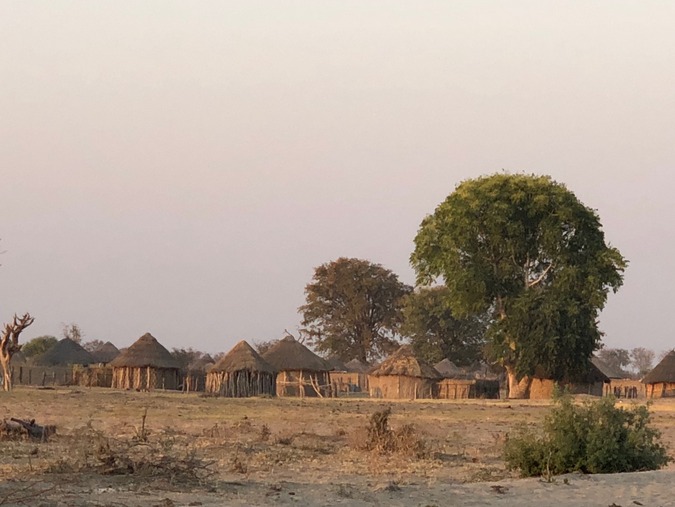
(9, 345)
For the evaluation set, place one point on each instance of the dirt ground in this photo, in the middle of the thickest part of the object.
(196, 450)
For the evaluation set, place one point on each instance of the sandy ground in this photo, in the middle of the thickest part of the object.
(195, 450)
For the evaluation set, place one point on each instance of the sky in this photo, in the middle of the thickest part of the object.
(181, 168)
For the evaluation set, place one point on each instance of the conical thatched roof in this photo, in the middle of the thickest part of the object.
(291, 355)
(356, 366)
(606, 369)
(65, 352)
(146, 351)
(243, 357)
(448, 369)
(662, 372)
(336, 364)
(404, 363)
(105, 353)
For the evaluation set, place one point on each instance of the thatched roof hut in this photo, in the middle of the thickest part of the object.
(348, 378)
(105, 353)
(241, 373)
(447, 368)
(618, 383)
(403, 376)
(145, 365)
(300, 371)
(593, 383)
(65, 352)
(660, 382)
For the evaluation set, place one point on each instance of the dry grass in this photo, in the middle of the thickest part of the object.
(190, 441)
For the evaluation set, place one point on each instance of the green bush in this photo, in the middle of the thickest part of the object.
(594, 437)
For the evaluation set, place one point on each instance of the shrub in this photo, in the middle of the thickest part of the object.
(382, 439)
(595, 437)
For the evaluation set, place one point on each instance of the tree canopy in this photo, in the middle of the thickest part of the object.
(435, 333)
(526, 249)
(353, 309)
(38, 345)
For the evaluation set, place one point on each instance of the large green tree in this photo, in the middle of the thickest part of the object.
(434, 331)
(525, 248)
(353, 309)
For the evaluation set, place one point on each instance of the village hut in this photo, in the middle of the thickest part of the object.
(194, 376)
(459, 384)
(242, 373)
(105, 353)
(300, 372)
(342, 380)
(145, 365)
(64, 353)
(619, 385)
(660, 382)
(447, 368)
(592, 383)
(356, 376)
(403, 376)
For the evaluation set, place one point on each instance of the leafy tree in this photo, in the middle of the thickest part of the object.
(619, 359)
(435, 333)
(353, 309)
(642, 360)
(39, 345)
(93, 345)
(186, 357)
(263, 346)
(73, 332)
(526, 249)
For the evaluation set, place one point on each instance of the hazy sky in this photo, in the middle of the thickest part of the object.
(181, 167)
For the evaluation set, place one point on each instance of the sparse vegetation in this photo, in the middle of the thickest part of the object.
(384, 440)
(594, 437)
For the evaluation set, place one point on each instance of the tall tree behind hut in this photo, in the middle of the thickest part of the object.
(436, 334)
(353, 309)
(73, 332)
(642, 360)
(9, 345)
(525, 248)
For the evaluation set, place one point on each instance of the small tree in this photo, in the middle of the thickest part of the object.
(595, 437)
(9, 345)
(618, 359)
(38, 346)
(73, 332)
(264, 345)
(642, 360)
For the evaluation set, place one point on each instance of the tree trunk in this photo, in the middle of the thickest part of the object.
(519, 389)
(6, 373)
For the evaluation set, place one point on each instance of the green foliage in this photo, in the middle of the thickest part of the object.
(619, 359)
(353, 309)
(38, 346)
(525, 248)
(435, 333)
(595, 437)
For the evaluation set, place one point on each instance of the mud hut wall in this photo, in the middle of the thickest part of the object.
(542, 388)
(349, 382)
(300, 383)
(592, 388)
(145, 378)
(93, 376)
(194, 382)
(398, 387)
(625, 388)
(660, 390)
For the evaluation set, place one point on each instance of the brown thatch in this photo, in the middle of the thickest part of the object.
(145, 365)
(403, 376)
(241, 373)
(289, 354)
(146, 351)
(607, 370)
(404, 363)
(105, 353)
(336, 364)
(660, 382)
(448, 369)
(662, 372)
(65, 352)
(357, 366)
(300, 371)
